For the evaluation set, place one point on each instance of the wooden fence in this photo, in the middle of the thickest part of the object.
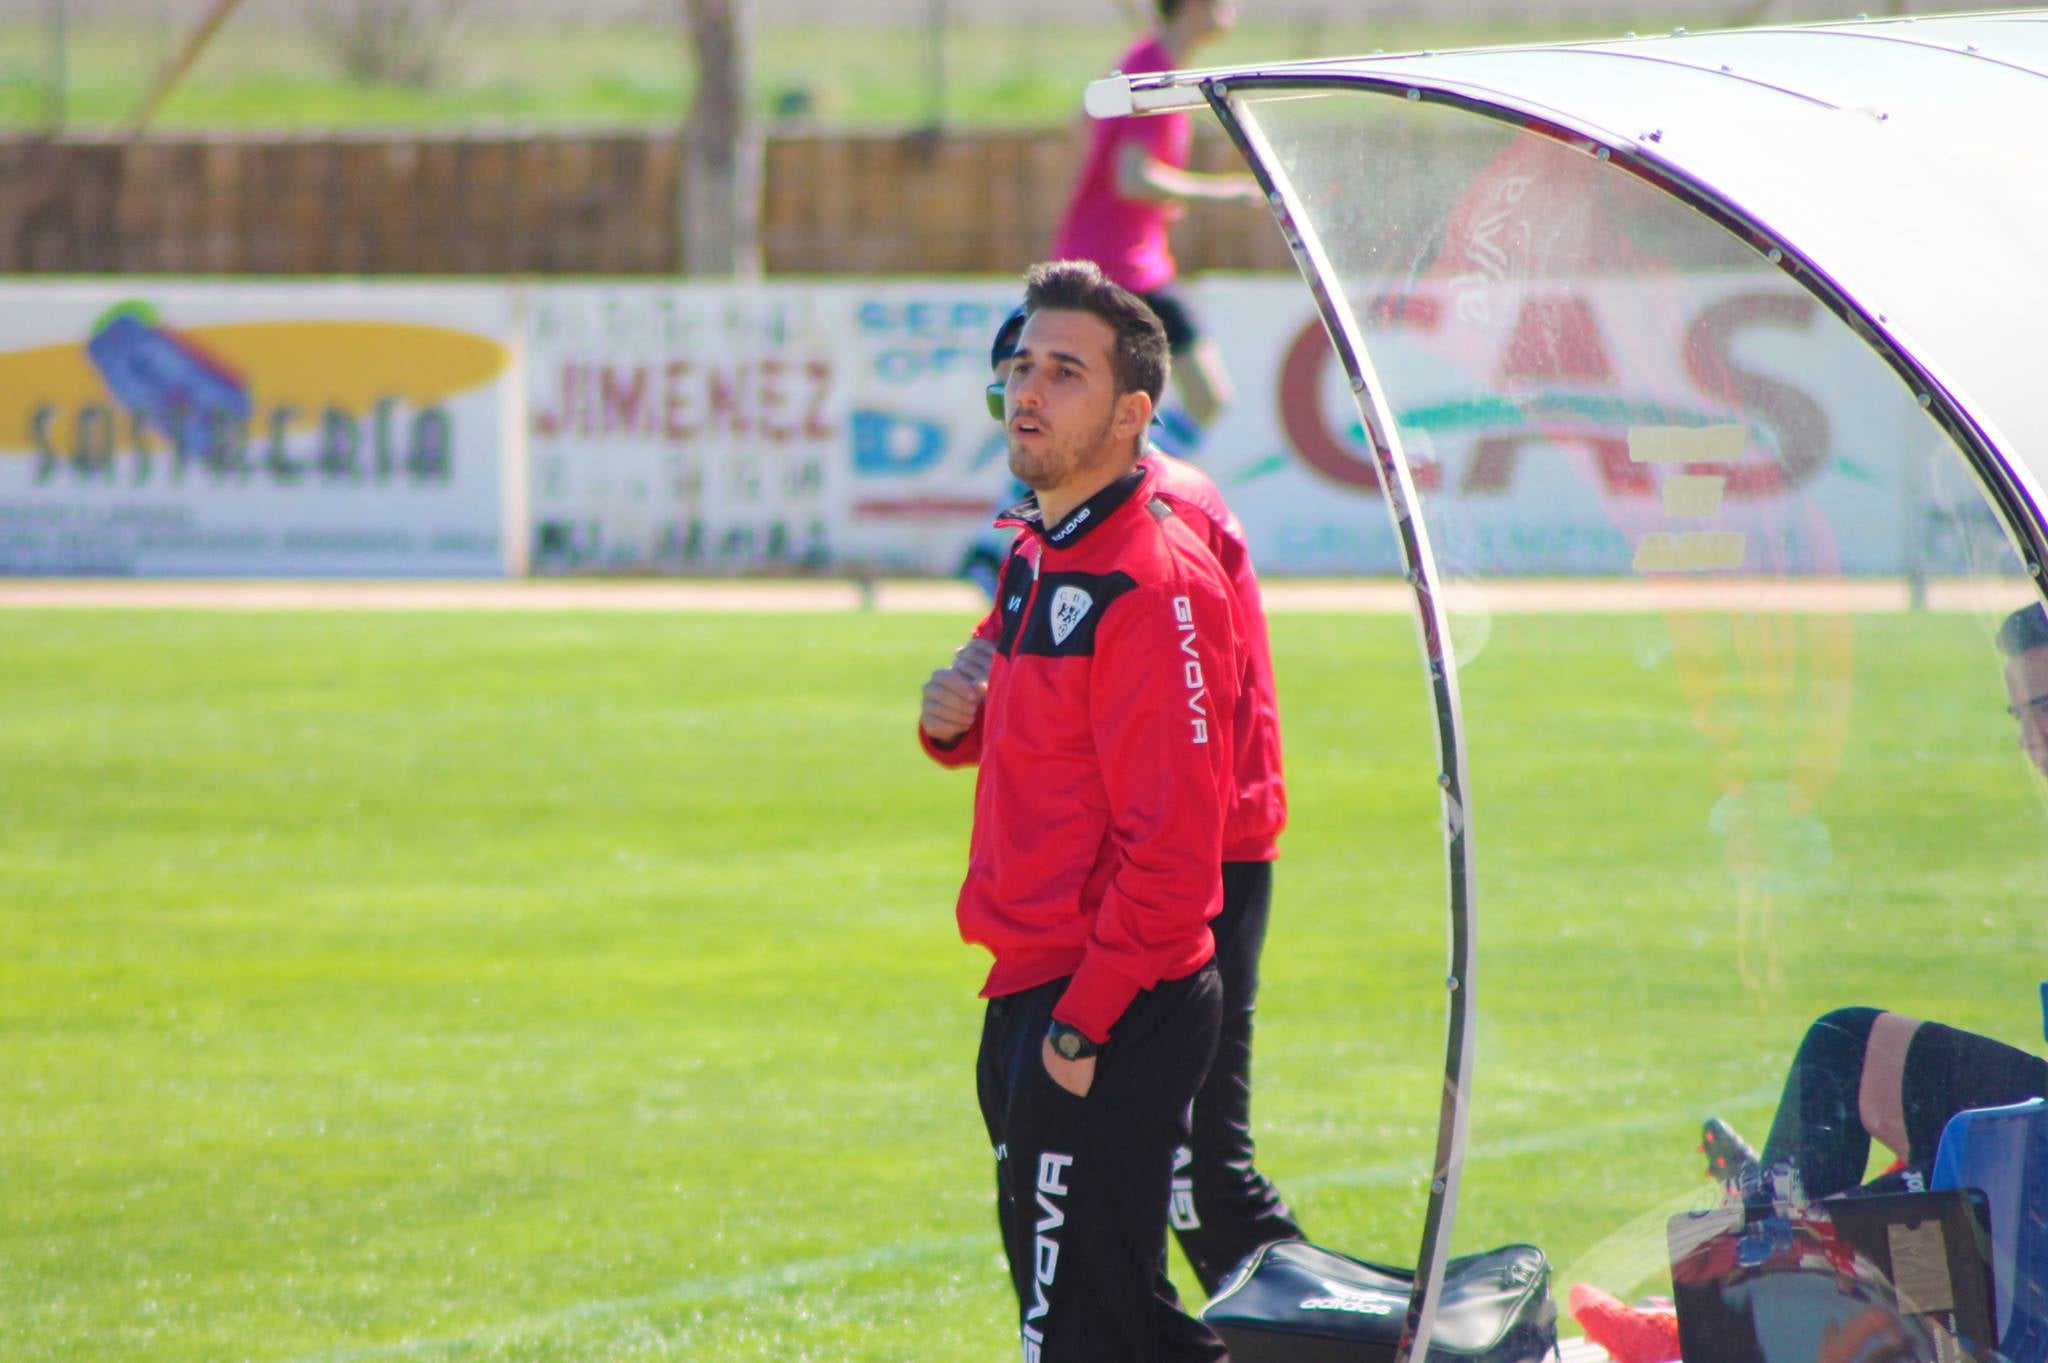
(554, 203)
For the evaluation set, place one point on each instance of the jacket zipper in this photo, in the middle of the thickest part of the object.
(1030, 599)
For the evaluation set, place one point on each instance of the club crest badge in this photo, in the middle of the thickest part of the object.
(1069, 604)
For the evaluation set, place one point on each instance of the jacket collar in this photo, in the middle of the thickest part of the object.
(1083, 518)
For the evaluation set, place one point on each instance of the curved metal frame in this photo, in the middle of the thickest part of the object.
(1397, 484)
(2023, 520)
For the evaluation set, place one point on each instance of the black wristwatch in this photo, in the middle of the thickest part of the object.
(1070, 1041)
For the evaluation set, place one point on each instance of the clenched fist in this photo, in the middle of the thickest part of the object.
(952, 698)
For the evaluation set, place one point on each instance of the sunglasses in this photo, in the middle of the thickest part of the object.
(995, 404)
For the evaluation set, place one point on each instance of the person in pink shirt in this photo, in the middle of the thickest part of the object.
(1135, 182)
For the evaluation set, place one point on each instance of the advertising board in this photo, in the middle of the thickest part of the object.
(242, 429)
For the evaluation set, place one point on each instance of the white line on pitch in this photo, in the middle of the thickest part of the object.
(690, 1290)
(811, 1270)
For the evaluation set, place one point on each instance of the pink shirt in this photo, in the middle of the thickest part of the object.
(1126, 237)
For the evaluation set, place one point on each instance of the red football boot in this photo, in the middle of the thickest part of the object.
(1629, 1334)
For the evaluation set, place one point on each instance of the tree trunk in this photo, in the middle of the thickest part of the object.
(721, 148)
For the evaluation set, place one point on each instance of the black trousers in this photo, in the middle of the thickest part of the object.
(1223, 1208)
(1821, 1127)
(1082, 1182)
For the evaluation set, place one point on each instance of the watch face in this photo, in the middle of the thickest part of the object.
(1070, 1043)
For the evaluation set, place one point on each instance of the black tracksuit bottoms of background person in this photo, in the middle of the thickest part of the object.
(1083, 1182)
(1223, 1208)
(1820, 1127)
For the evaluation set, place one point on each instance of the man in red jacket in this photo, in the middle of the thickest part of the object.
(1099, 700)
(1223, 1207)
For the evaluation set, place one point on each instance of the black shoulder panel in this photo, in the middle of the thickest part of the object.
(1068, 607)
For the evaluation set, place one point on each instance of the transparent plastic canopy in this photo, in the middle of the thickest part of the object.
(1762, 314)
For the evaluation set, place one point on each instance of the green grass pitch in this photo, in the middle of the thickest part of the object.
(536, 987)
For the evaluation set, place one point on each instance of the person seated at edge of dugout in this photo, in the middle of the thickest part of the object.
(1865, 1073)
(1862, 1072)
(1103, 733)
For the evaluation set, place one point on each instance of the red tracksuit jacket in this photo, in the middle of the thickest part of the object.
(1259, 811)
(1106, 747)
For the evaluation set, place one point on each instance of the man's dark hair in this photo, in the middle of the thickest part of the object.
(1138, 359)
(1168, 8)
(2025, 628)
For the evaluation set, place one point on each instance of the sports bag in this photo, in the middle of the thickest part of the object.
(1293, 1302)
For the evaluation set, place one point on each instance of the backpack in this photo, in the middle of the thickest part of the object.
(1294, 1302)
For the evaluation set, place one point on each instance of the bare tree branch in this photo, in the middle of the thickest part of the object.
(181, 62)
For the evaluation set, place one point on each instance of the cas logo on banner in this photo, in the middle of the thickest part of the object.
(288, 403)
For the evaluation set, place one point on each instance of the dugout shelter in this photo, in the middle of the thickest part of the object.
(1750, 299)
